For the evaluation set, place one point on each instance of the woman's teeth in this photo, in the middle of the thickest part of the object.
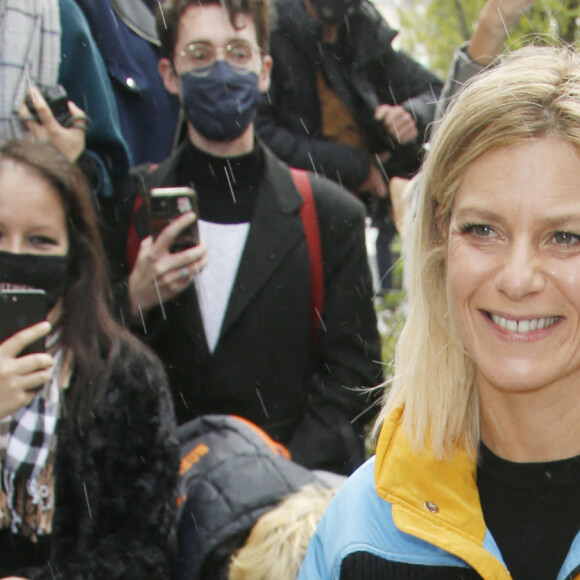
(523, 326)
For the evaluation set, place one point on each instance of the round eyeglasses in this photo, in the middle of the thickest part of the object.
(201, 56)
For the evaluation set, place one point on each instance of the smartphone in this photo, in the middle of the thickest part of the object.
(167, 204)
(57, 99)
(20, 309)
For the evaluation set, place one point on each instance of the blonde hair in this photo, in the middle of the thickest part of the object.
(534, 93)
(277, 543)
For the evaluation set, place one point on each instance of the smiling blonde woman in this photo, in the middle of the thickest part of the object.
(478, 460)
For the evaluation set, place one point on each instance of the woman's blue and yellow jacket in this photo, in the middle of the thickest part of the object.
(408, 515)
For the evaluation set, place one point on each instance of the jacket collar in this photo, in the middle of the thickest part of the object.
(435, 499)
(276, 229)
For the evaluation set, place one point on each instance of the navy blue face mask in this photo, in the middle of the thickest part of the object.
(221, 103)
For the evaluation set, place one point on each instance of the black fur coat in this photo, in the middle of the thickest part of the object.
(115, 481)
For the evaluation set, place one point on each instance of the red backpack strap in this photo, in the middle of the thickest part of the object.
(133, 237)
(312, 232)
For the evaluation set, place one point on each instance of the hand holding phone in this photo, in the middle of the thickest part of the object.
(57, 100)
(70, 138)
(158, 274)
(21, 376)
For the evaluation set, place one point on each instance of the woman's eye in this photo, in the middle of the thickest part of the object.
(479, 230)
(42, 241)
(566, 238)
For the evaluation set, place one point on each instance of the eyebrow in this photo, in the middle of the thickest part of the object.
(486, 214)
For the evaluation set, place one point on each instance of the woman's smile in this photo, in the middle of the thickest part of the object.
(522, 328)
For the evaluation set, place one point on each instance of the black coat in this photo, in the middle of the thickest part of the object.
(289, 118)
(116, 481)
(265, 366)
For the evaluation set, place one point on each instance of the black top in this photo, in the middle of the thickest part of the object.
(531, 510)
(226, 187)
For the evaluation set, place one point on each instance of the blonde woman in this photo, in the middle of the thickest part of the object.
(477, 467)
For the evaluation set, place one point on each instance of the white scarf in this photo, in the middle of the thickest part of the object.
(26, 439)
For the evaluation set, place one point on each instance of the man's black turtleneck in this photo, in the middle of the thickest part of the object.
(227, 187)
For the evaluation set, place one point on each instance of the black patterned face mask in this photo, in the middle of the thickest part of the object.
(43, 272)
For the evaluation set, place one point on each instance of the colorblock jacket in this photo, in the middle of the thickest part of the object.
(407, 516)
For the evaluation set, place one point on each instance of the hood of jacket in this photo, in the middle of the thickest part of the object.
(365, 35)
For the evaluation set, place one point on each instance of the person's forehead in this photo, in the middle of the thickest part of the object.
(211, 23)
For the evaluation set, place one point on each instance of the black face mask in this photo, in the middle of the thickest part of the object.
(48, 273)
(334, 10)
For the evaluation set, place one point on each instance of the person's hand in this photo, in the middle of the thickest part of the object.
(158, 274)
(70, 141)
(20, 375)
(493, 25)
(375, 183)
(398, 122)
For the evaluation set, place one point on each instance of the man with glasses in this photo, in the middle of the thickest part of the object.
(232, 317)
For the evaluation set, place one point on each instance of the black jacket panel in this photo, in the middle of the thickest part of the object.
(116, 481)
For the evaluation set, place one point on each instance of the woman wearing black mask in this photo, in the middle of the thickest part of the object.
(88, 453)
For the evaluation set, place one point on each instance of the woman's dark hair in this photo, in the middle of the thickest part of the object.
(86, 326)
(169, 15)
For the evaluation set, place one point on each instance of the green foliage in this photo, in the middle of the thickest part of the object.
(434, 28)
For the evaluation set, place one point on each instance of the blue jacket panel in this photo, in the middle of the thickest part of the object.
(149, 114)
(358, 520)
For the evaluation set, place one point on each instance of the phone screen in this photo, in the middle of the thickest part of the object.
(20, 309)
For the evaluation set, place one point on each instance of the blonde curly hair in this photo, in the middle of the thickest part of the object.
(277, 543)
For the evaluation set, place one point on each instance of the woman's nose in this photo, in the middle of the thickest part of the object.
(521, 272)
(11, 244)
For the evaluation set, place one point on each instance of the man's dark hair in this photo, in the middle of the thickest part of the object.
(170, 12)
